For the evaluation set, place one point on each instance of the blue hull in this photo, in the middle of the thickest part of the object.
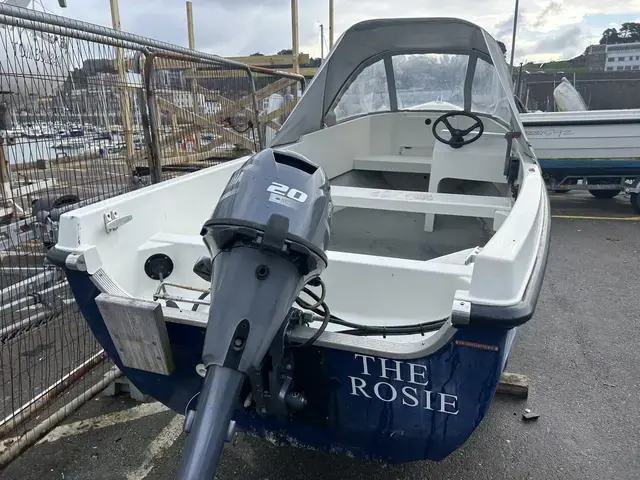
(369, 407)
(596, 166)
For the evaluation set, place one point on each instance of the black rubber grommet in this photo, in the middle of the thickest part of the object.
(158, 266)
(262, 272)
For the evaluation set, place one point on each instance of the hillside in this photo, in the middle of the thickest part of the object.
(574, 65)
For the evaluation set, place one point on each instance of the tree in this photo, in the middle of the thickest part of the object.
(610, 36)
(286, 51)
(503, 48)
(257, 54)
(630, 32)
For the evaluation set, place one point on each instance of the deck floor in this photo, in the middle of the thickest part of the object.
(402, 235)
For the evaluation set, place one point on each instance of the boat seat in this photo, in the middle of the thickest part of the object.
(420, 202)
(481, 161)
(393, 163)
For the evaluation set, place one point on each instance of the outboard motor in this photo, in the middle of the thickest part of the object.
(267, 239)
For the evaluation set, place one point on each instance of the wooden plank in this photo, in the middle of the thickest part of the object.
(271, 60)
(513, 384)
(226, 102)
(205, 122)
(260, 94)
(226, 73)
(138, 331)
(276, 113)
(265, 61)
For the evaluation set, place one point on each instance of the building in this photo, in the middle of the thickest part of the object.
(596, 58)
(624, 56)
(169, 79)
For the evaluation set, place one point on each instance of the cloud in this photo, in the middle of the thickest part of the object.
(503, 28)
(553, 7)
(242, 27)
(559, 41)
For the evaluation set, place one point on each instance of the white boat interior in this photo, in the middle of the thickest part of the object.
(418, 224)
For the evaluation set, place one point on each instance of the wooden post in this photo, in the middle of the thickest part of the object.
(174, 130)
(331, 29)
(294, 35)
(5, 180)
(125, 102)
(194, 81)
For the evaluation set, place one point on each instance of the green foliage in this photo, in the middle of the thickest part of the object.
(629, 33)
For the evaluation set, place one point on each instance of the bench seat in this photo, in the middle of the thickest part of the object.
(419, 202)
(393, 163)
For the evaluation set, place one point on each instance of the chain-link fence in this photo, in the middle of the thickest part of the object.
(89, 113)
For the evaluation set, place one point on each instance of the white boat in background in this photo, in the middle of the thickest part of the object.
(417, 236)
(594, 150)
(39, 130)
(72, 143)
(567, 98)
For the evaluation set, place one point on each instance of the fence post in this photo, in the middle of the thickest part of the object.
(155, 157)
(144, 110)
(194, 81)
(125, 103)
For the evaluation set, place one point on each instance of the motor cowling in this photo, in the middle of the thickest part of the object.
(267, 238)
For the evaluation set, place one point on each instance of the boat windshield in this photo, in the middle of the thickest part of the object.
(423, 81)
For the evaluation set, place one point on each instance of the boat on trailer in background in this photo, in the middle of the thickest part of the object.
(594, 150)
(359, 284)
(581, 149)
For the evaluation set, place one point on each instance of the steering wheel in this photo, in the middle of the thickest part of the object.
(457, 136)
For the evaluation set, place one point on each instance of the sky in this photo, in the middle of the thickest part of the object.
(547, 29)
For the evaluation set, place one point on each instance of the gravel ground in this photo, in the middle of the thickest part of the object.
(580, 353)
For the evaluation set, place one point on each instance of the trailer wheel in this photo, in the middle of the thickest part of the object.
(635, 202)
(604, 194)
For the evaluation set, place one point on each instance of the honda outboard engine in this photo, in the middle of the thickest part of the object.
(267, 239)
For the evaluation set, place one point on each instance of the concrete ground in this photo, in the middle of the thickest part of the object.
(580, 352)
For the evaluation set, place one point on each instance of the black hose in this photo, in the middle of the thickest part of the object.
(202, 296)
(320, 307)
(363, 330)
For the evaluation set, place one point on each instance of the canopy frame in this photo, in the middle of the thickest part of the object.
(369, 41)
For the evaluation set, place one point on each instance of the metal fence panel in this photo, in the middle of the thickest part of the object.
(71, 128)
(205, 112)
(193, 112)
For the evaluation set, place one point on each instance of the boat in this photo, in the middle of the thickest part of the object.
(594, 150)
(360, 282)
(39, 131)
(567, 98)
(70, 143)
(73, 132)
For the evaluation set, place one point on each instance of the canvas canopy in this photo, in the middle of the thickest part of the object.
(388, 42)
